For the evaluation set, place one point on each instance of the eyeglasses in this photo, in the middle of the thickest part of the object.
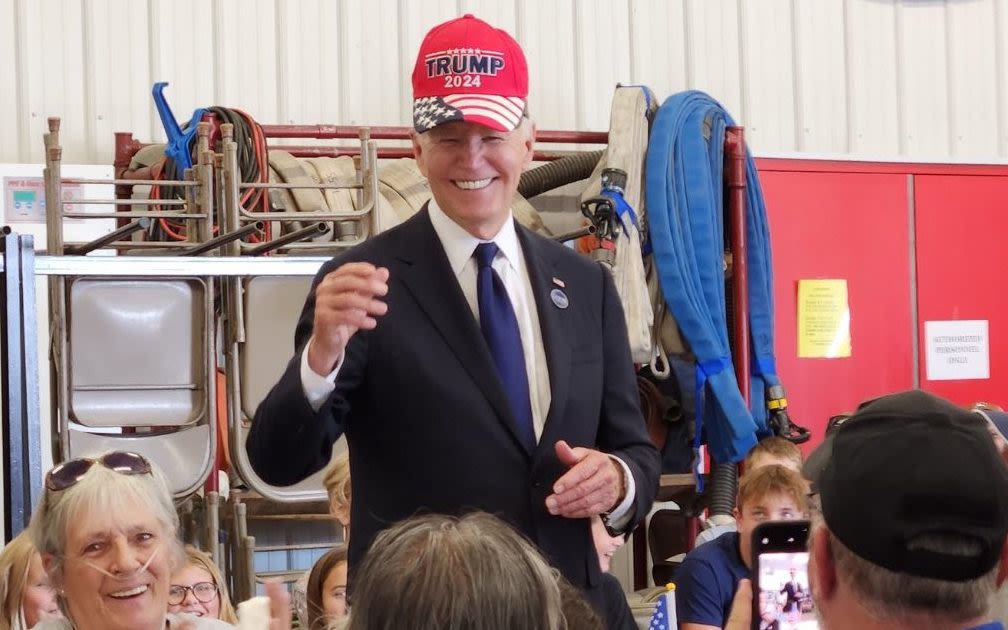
(69, 473)
(204, 592)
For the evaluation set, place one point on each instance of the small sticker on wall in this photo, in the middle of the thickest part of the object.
(957, 350)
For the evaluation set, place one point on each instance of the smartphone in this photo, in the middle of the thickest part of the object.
(782, 599)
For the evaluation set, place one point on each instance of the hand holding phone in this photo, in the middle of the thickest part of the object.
(782, 599)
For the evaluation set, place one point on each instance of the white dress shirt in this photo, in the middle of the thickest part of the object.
(509, 264)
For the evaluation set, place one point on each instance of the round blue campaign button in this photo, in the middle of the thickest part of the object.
(559, 298)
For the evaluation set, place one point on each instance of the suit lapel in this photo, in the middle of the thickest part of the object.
(555, 327)
(428, 276)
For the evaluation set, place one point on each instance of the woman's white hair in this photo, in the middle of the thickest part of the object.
(102, 491)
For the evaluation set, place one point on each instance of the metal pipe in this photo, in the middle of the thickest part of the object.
(54, 191)
(130, 202)
(735, 179)
(297, 235)
(279, 185)
(294, 215)
(223, 239)
(125, 179)
(140, 224)
(202, 198)
(570, 236)
(132, 214)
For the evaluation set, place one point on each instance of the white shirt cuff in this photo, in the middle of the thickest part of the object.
(619, 517)
(317, 387)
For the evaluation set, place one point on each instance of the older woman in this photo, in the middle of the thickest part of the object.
(472, 572)
(107, 531)
(25, 592)
(197, 588)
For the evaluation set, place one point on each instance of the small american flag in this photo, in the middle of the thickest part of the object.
(663, 617)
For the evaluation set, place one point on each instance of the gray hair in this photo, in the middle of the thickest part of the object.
(102, 491)
(887, 594)
(445, 573)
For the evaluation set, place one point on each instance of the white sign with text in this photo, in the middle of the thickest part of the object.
(957, 350)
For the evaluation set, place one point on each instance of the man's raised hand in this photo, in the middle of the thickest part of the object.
(346, 300)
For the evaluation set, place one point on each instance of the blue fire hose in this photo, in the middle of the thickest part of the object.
(686, 218)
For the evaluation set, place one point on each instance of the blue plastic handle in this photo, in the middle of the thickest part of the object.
(178, 140)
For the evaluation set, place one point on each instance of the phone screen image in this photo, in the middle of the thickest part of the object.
(785, 601)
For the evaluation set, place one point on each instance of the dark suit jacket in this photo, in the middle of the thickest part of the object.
(795, 592)
(425, 414)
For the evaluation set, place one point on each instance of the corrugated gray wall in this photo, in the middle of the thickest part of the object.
(912, 79)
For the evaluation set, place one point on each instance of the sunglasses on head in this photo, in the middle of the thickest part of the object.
(70, 472)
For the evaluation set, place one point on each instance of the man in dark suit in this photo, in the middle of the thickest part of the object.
(472, 364)
(794, 593)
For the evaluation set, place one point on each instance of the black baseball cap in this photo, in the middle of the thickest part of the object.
(907, 465)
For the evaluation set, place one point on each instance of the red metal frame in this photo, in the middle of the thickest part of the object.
(735, 180)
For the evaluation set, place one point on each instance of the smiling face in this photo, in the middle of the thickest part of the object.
(115, 570)
(605, 545)
(189, 576)
(474, 171)
(38, 600)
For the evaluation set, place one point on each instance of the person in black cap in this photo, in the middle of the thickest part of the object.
(912, 523)
(914, 516)
(997, 425)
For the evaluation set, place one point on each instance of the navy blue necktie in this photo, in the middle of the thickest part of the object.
(500, 329)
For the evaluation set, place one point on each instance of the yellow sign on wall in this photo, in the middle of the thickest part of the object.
(823, 319)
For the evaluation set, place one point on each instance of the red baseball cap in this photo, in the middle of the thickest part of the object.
(469, 70)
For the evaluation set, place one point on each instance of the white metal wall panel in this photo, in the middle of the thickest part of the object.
(313, 80)
(116, 59)
(181, 52)
(866, 78)
(821, 73)
(548, 37)
(715, 51)
(768, 74)
(923, 63)
(658, 46)
(873, 77)
(10, 78)
(601, 60)
(973, 78)
(55, 83)
(245, 57)
(371, 50)
(1000, 54)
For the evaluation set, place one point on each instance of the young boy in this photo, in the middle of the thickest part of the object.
(708, 577)
(771, 450)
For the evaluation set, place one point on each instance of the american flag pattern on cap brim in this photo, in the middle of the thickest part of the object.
(431, 111)
(498, 112)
